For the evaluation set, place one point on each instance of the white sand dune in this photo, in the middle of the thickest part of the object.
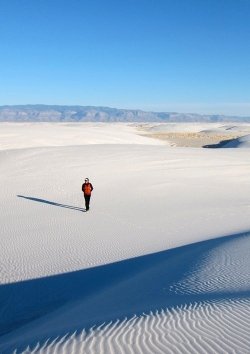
(238, 127)
(151, 304)
(181, 127)
(227, 128)
(242, 142)
(146, 270)
(208, 135)
(199, 127)
(26, 135)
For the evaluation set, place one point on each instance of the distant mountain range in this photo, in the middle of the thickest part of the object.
(54, 113)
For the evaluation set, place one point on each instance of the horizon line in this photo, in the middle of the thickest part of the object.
(125, 109)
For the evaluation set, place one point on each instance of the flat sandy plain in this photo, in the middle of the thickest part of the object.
(160, 263)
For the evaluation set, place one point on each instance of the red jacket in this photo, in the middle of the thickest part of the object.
(87, 188)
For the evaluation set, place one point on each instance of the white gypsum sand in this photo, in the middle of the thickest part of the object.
(26, 135)
(197, 134)
(147, 269)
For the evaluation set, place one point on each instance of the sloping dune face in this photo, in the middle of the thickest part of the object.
(146, 270)
(242, 142)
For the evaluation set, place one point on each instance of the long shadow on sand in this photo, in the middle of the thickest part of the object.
(84, 298)
(51, 203)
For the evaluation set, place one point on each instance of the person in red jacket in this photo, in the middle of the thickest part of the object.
(87, 189)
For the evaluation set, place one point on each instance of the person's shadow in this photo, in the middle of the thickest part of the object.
(51, 203)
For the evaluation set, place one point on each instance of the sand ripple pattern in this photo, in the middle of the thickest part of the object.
(223, 269)
(216, 327)
(213, 315)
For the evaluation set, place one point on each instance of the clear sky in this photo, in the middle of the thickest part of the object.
(162, 55)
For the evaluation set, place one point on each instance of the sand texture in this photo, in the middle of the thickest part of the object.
(160, 263)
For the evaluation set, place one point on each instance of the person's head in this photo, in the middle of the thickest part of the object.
(86, 180)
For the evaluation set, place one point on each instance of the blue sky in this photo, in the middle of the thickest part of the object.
(162, 55)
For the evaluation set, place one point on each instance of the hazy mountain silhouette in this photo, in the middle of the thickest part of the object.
(56, 113)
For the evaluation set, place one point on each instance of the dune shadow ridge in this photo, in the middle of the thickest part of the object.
(109, 292)
(220, 144)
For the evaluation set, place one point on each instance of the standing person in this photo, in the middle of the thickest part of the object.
(87, 189)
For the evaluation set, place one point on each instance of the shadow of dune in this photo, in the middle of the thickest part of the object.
(105, 293)
(51, 203)
(221, 144)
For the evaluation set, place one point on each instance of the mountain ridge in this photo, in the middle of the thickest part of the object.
(78, 113)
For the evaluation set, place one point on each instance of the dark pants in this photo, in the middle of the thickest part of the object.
(87, 200)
